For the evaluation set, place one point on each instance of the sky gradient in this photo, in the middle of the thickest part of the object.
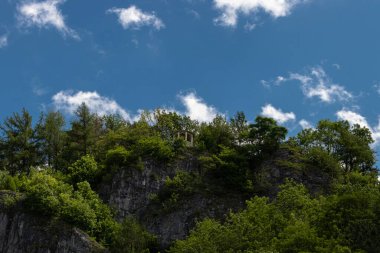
(294, 60)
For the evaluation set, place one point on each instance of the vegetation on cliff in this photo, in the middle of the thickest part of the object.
(57, 167)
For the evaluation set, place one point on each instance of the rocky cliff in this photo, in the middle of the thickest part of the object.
(26, 233)
(131, 192)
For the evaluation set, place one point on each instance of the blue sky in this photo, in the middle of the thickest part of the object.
(294, 60)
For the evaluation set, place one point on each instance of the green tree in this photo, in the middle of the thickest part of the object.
(82, 136)
(53, 138)
(19, 143)
(84, 169)
(265, 137)
(240, 127)
(131, 237)
(114, 122)
(214, 135)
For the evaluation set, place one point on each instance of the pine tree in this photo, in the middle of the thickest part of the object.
(82, 135)
(19, 143)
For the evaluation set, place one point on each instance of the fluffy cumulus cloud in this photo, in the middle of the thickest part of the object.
(3, 41)
(277, 114)
(231, 9)
(197, 109)
(44, 14)
(134, 18)
(305, 124)
(317, 84)
(355, 118)
(69, 102)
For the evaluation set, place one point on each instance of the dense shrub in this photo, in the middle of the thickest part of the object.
(118, 156)
(131, 237)
(154, 147)
(84, 169)
(82, 207)
(7, 182)
(346, 221)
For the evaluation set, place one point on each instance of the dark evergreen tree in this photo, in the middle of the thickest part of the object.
(82, 136)
(53, 137)
(19, 143)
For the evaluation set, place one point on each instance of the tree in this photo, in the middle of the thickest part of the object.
(53, 138)
(82, 135)
(84, 169)
(113, 122)
(265, 137)
(350, 145)
(19, 143)
(214, 135)
(131, 237)
(239, 126)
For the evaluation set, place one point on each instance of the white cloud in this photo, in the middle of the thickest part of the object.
(316, 83)
(231, 9)
(69, 102)
(3, 41)
(377, 88)
(277, 114)
(135, 18)
(305, 124)
(197, 109)
(355, 118)
(44, 14)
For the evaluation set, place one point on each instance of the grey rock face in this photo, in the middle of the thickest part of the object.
(26, 233)
(274, 171)
(131, 190)
(177, 224)
(130, 193)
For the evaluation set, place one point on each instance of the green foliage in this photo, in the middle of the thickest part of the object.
(46, 195)
(350, 145)
(212, 136)
(266, 136)
(8, 199)
(85, 169)
(319, 159)
(154, 147)
(295, 222)
(83, 133)
(118, 156)
(53, 139)
(180, 186)
(231, 155)
(131, 237)
(18, 143)
(7, 182)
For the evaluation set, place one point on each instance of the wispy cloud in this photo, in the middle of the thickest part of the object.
(231, 9)
(197, 108)
(134, 18)
(3, 41)
(355, 118)
(69, 101)
(316, 83)
(377, 88)
(44, 14)
(305, 124)
(277, 114)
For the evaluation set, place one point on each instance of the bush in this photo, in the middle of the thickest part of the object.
(118, 156)
(155, 147)
(85, 169)
(81, 208)
(131, 237)
(7, 182)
